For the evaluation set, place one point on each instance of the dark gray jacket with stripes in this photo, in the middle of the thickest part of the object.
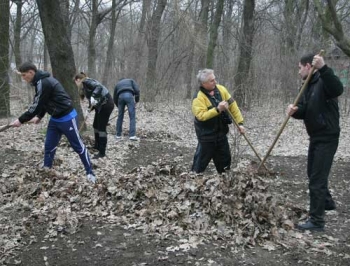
(50, 97)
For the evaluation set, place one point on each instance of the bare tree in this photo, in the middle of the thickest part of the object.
(140, 40)
(55, 28)
(191, 52)
(214, 33)
(4, 58)
(246, 48)
(96, 18)
(153, 39)
(17, 32)
(332, 24)
(110, 55)
(203, 33)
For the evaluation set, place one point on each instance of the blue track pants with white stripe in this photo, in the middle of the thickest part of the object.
(71, 131)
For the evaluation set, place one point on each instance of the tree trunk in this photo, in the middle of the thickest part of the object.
(191, 55)
(46, 58)
(228, 46)
(202, 34)
(189, 70)
(153, 39)
(61, 53)
(17, 34)
(96, 19)
(140, 40)
(92, 36)
(245, 57)
(214, 33)
(4, 55)
(110, 55)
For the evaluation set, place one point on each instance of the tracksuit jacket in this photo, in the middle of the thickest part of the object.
(50, 97)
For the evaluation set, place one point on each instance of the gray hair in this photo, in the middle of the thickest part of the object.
(203, 75)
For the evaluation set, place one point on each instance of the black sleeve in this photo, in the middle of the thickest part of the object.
(115, 95)
(332, 84)
(96, 87)
(136, 91)
(37, 107)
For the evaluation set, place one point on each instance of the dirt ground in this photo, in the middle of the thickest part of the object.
(98, 241)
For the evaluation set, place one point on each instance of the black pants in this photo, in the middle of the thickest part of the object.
(218, 150)
(102, 116)
(319, 163)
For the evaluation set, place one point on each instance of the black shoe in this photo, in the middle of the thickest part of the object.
(310, 226)
(330, 207)
(98, 156)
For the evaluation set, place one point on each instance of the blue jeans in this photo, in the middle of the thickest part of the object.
(126, 99)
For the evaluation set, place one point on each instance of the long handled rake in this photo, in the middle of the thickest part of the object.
(248, 141)
(5, 127)
(287, 118)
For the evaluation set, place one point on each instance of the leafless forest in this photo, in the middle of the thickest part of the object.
(253, 46)
(147, 208)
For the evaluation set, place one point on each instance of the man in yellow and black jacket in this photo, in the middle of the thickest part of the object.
(210, 106)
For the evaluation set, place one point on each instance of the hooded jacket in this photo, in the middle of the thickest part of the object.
(50, 97)
(318, 106)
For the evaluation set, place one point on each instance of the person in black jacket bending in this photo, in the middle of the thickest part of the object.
(318, 107)
(50, 97)
(126, 93)
(101, 101)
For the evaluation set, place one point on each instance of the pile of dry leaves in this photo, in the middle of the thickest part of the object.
(162, 198)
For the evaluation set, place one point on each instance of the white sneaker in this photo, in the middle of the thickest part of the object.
(118, 138)
(134, 138)
(91, 178)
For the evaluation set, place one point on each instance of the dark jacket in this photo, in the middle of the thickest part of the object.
(126, 85)
(50, 97)
(318, 106)
(93, 88)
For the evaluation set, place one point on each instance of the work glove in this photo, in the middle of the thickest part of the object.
(93, 101)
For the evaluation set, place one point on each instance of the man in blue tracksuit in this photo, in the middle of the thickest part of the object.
(126, 93)
(50, 97)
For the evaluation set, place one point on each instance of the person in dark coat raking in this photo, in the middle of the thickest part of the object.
(50, 97)
(101, 101)
(318, 107)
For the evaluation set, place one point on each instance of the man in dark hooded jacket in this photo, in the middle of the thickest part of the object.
(318, 107)
(50, 97)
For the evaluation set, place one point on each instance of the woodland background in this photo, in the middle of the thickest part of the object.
(148, 208)
(254, 46)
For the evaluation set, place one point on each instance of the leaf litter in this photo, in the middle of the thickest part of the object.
(162, 198)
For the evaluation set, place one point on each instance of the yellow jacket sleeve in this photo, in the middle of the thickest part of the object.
(233, 107)
(200, 108)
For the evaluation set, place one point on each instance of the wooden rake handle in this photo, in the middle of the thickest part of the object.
(4, 128)
(248, 141)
